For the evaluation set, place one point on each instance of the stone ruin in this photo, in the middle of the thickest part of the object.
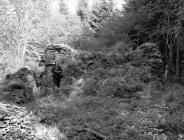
(65, 56)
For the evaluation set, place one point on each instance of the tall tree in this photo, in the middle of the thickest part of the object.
(101, 11)
(83, 10)
(19, 22)
(143, 21)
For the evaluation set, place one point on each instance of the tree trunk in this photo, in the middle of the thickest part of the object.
(177, 62)
(170, 61)
(165, 76)
(166, 73)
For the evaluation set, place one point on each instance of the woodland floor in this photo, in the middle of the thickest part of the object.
(155, 113)
(82, 117)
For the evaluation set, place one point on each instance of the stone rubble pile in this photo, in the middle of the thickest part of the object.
(15, 123)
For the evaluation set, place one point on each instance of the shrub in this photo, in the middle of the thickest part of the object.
(91, 87)
(99, 73)
(117, 87)
(74, 71)
(120, 47)
(112, 87)
(173, 96)
(89, 44)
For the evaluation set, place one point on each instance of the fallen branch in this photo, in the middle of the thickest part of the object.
(96, 133)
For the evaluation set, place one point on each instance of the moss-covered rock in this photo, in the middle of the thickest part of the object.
(19, 87)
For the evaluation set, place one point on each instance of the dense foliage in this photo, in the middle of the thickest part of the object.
(159, 22)
(116, 68)
(27, 27)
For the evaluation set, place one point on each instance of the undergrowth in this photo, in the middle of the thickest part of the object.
(118, 102)
(148, 117)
